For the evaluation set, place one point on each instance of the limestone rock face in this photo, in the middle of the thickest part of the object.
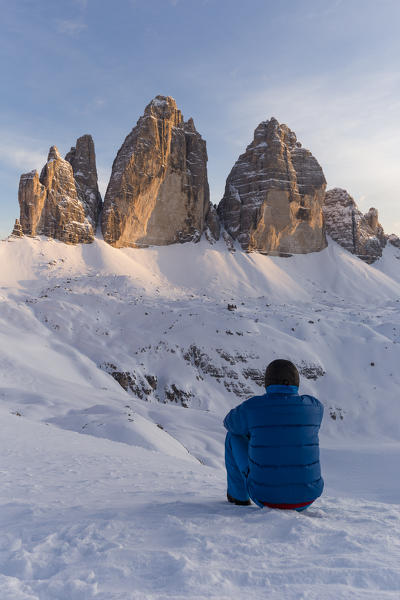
(274, 195)
(49, 204)
(31, 196)
(360, 234)
(82, 157)
(158, 192)
(17, 231)
(394, 240)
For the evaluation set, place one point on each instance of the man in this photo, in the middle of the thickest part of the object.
(271, 448)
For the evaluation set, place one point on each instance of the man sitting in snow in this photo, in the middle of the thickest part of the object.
(271, 448)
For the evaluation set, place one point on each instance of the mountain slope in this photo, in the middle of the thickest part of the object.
(134, 507)
(196, 324)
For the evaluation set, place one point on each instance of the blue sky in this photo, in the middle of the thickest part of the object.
(329, 69)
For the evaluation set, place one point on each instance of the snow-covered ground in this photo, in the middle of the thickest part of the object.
(110, 493)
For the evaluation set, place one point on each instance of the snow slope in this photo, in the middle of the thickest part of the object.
(134, 508)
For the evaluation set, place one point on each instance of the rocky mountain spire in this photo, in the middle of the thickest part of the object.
(274, 194)
(31, 197)
(17, 230)
(82, 158)
(360, 234)
(57, 204)
(158, 192)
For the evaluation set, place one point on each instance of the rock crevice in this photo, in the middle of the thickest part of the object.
(82, 158)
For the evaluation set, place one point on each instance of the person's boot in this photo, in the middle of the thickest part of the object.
(238, 502)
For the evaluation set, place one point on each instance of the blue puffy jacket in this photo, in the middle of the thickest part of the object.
(282, 429)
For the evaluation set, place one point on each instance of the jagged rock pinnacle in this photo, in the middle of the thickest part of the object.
(58, 205)
(158, 192)
(274, 194)
(359, 234)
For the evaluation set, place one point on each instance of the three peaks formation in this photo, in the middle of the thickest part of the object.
(274, 202)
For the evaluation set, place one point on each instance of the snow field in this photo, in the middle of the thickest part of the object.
(91, 518)
(105, 495)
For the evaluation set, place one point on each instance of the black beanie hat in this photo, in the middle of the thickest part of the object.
(281, 372)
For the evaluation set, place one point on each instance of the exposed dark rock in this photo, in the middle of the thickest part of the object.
(152, 381)
(130, 382)
(255, 375)
(238, 388)
(203, 362)
(82, 158)
(336, 413)
(311, 371)
(236, 358)
(174, 394)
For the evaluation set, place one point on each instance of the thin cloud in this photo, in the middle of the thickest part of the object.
(70, 26)
(82, 3)
(324, 11)
(20, 157)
